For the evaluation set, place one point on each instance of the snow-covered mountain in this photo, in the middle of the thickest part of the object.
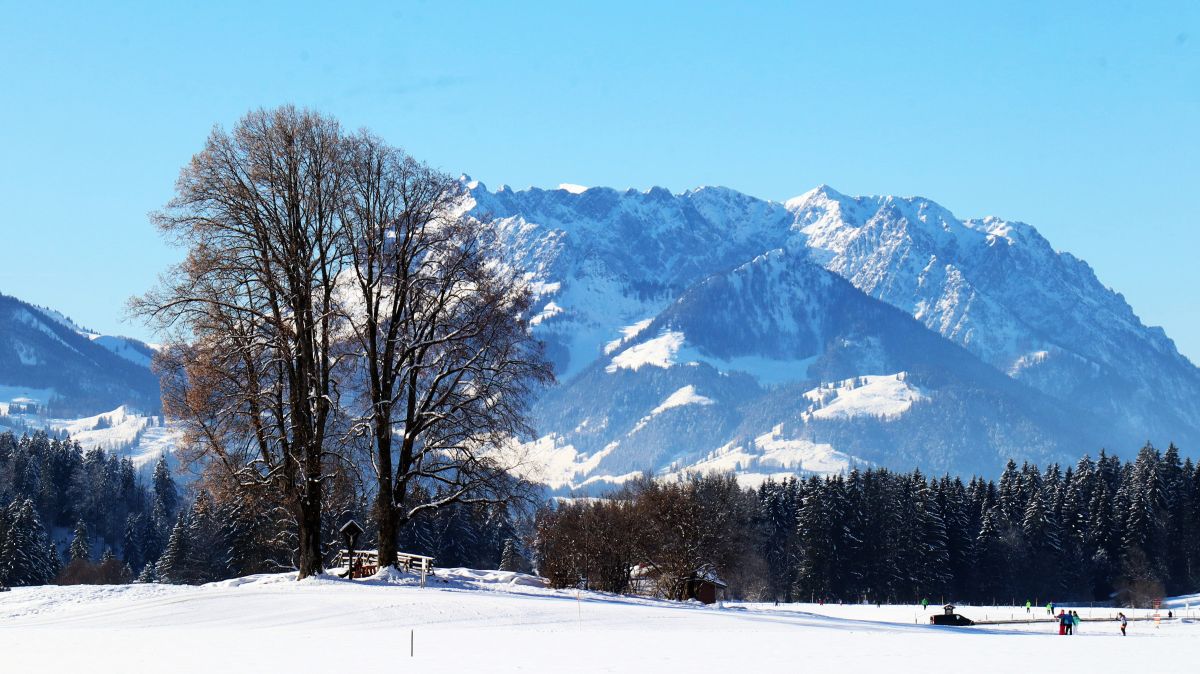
(712, 329)
(132, 350)
(59, 377)
(605, 260)
(52, 363)
(999, 289)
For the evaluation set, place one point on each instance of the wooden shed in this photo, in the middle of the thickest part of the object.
(706, 587)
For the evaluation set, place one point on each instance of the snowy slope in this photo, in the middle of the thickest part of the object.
(606, 260)
(780, 367)
(78, 373)
(133, 350)
(884, 396)
(59, 377)
(122, 431)
(491, 621)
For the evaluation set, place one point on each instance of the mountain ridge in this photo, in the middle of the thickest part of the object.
(607, 265)
(53, 363)
(712, 329)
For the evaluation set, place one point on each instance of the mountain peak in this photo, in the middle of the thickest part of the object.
(470, 183)
(820, 193)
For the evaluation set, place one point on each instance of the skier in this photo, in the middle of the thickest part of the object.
(925, 604)
(1064, 622)
(1075, 620)
(1124, 622)
(1028, 605)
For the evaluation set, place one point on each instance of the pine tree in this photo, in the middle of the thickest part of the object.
(1142, 492)
(80, 549)
(1192, 537)
(208, 550)
(879, 520)
(1076, 513)
(173, 566)
(1177, 504)
(512, 559)
(933, 558)
(812, 533)
(1041, 533)
(256, 536)
(148, 575)
(960, 536)
(992, 571)
(1012, 505)
(133, 543)
(26, 555)
(854, 542)
(166, 495)
(777, 504)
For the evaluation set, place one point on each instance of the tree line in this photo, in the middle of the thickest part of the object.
(1097, 531)
(71, 516)
(50, 484)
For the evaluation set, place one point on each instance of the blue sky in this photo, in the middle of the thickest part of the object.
(1082, 119)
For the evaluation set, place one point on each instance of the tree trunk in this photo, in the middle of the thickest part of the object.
(311, 560)
(385, 509)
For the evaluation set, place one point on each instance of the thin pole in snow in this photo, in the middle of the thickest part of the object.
(412, 641)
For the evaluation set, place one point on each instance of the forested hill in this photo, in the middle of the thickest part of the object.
(69, 372)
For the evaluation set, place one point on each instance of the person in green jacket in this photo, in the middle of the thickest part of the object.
(1050, 608)
(1028, 605)
(924, 604)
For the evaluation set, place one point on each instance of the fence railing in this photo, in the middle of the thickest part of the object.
(366, 563)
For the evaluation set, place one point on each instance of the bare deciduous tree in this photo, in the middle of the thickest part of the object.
(249, 371)
(677, 532)
(320, 263)
(446, 363)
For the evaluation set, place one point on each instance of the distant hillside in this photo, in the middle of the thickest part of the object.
(48, 362)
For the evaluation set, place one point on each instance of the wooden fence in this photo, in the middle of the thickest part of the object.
(366, 563)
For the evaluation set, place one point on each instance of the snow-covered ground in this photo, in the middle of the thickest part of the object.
(487, 621)
(124, 431)
(870, 395)
(771, 456)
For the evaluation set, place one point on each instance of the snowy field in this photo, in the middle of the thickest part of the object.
(471, 621)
